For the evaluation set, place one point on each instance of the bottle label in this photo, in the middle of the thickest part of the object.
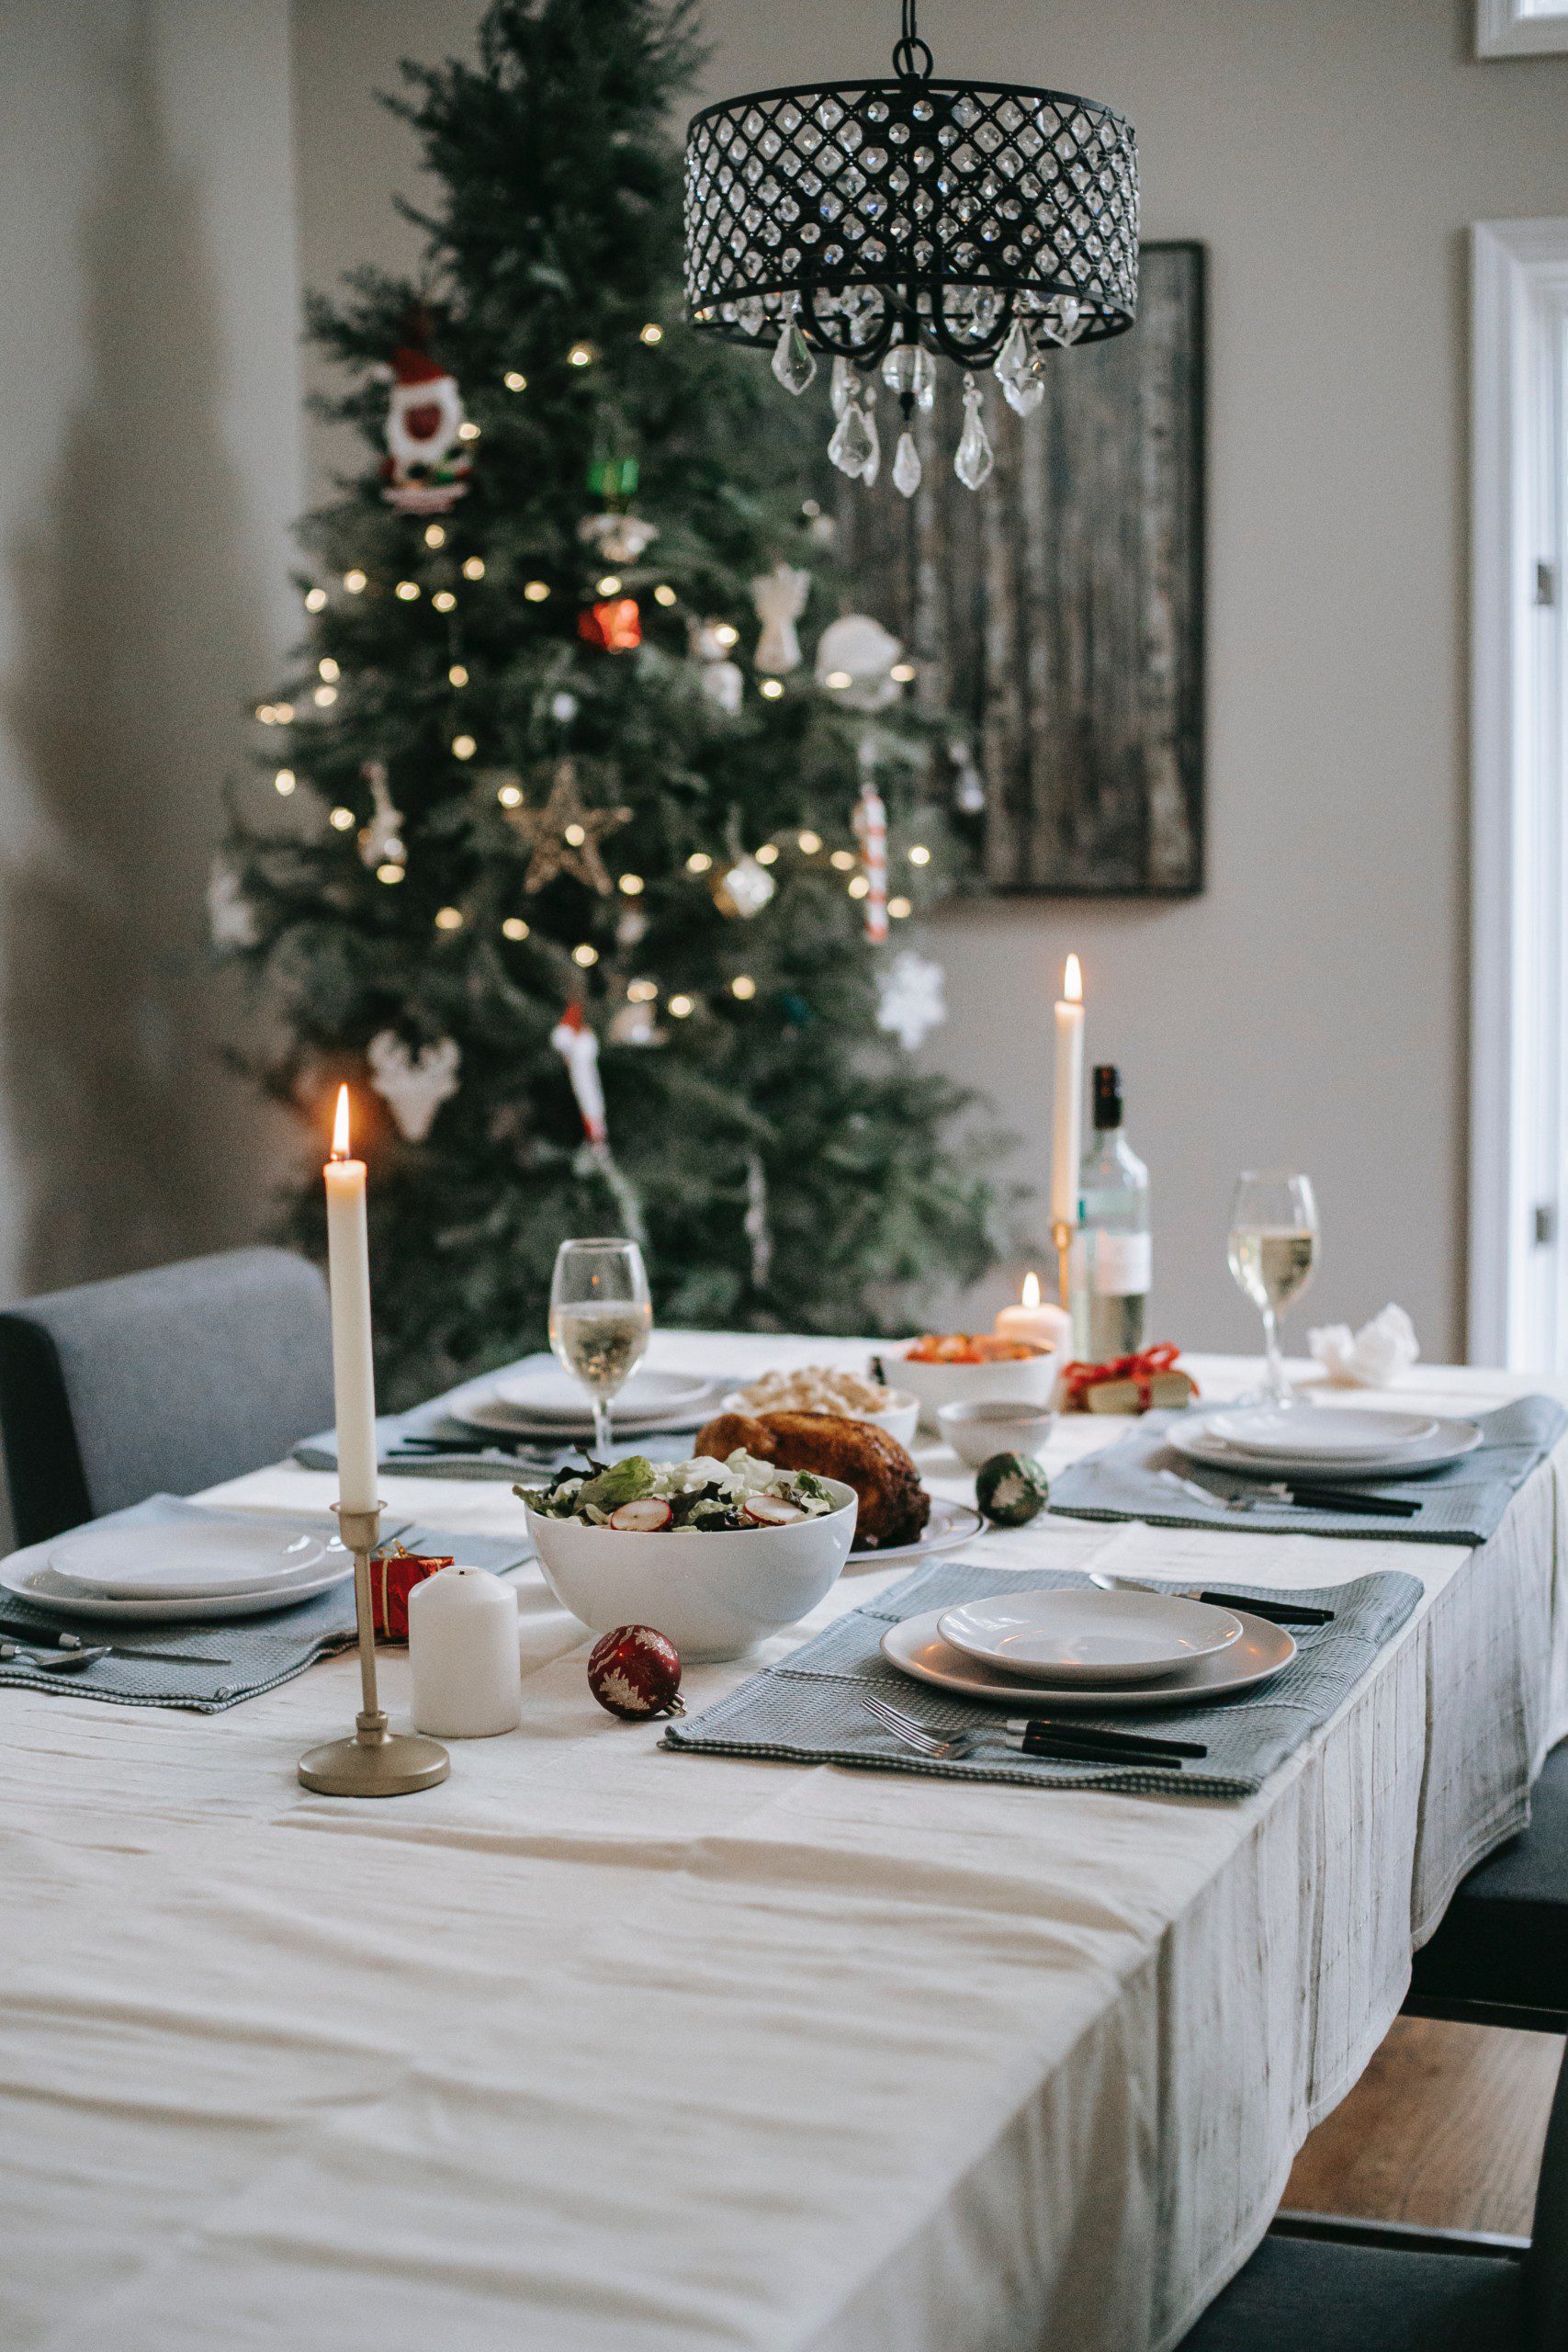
(1120, 1264)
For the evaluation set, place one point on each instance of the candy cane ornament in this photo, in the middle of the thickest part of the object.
(871, 832)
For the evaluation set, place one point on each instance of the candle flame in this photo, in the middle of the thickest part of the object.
(1031, 1293)
(340, 1125)
(1072, 981)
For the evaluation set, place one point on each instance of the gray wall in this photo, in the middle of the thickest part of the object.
(147, 472)
(1309, 1008)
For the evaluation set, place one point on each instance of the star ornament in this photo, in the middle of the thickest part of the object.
(563, 836)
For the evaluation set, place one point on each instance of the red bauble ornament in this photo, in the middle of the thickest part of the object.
(616, 626)
(635, 1673)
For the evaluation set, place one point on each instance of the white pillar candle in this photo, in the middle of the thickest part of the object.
(463, 1654)
(348, 1272)
(1034, 1320)
(1066, 1110)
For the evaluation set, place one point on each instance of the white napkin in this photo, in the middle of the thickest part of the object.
(1373, 1357)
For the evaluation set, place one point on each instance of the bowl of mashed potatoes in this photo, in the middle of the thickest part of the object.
(827, 1388)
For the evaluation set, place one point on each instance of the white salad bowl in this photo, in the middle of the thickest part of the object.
(711, 1591)
(900, 1416)
(1026, 1380)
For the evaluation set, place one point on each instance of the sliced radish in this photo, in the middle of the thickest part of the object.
(643, 1518)
(772, 1510)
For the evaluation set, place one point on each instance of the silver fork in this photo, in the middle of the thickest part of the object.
(924, 1741)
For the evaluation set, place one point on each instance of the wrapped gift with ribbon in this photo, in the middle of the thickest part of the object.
(1130, 1385)
(393, 1575)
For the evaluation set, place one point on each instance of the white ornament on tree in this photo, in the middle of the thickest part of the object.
(745, 888)
(414, 1086)
(780, 597)
(720, 678)
(425, 462)
(860, 649)
(617, 539)
(911, 997)
(381, 840)
(229, 914)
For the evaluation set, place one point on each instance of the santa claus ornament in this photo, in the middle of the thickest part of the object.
(578, 1046)
(426, 464)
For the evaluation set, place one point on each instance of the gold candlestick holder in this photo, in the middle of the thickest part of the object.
(374, 1762)
(1062, 1234)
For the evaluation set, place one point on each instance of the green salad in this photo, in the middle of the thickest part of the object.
(642, 1497)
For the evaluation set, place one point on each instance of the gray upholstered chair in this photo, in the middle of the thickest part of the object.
(159, 1383)
(1337, 2287)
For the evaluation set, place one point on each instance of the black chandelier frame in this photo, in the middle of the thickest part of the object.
(911, 209)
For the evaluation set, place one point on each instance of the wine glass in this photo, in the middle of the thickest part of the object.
(1273, 1254)
(601, 1316)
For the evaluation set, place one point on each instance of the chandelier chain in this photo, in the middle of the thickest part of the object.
(912, 59)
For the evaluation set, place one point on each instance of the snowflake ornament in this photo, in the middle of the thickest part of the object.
(414, 1086)
(912, 997)
(229, 914)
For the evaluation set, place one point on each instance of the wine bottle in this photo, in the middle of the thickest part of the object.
(1114, 1250)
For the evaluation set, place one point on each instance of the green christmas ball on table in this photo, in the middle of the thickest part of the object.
(1011, 1489)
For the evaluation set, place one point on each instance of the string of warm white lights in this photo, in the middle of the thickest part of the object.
(449, 920)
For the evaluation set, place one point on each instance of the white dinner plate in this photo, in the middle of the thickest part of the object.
(1069, 1635)
(1330, 1434)
(948, 1525)
(916, 1648)
(185, 1561)
(1449, 1442)
(546, 1394)
(36, 1583)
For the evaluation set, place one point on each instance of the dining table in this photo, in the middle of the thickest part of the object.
(604, 2047)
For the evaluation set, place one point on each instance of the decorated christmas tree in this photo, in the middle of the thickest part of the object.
(597, 894)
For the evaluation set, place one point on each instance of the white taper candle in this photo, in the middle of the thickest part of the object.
(348, 1272)
(1066, 1118)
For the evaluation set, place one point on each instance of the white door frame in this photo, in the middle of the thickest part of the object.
(1520, 28)
(1519, 1093)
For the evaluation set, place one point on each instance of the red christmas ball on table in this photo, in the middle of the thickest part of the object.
(635, 1673)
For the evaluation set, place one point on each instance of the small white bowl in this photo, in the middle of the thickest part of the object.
(1029, 1380)
(712, 1592)
(900, 1416)
(995, 1426)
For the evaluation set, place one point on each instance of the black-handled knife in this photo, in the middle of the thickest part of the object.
(1124, 1743)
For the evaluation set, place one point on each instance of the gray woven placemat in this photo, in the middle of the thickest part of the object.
(808, 1709)
(524, 1460)
(1463, 1504)
(240, 1658)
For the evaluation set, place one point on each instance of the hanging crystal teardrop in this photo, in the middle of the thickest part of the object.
(910, 372)
(907, 465)
(975, 458)
(845, 385)
(872, 465)
(1065, 318)
(1011, 364)
(852, 442)
(793, 363)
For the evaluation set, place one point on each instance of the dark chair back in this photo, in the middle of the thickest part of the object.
(1546, 2266)
(159, 1383)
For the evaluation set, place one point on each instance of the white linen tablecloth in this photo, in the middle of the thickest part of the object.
(597, 2047)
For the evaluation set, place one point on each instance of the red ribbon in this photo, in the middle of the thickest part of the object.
(1077, 1379)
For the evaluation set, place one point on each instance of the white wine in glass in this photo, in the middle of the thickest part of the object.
(601, 1319)
(1273, 1251)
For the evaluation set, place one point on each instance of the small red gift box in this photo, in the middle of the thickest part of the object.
(393, 1575)
(1131, 1385)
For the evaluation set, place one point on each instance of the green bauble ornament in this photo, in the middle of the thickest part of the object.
(1011, 1489)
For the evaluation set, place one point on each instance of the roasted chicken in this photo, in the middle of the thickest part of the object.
(894, 1506)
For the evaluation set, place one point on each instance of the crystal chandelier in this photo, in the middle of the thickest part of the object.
(879, 224)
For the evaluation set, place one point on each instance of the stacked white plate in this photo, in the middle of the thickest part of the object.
(195, 1569)
(1074, 1647)
(541, 1401)
(1326, 1443)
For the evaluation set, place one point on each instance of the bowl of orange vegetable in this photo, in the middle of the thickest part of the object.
(972, 1368)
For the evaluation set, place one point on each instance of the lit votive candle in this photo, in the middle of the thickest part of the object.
(1036, 1320)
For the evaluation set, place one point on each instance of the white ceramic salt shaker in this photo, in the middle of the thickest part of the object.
(463, 1651)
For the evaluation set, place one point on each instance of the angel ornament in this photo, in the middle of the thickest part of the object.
(780, 597)
(381, 840)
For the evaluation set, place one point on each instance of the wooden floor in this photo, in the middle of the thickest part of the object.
(1444, 2128)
